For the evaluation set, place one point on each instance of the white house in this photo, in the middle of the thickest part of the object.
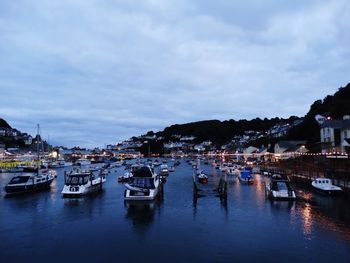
(334, 134)
(290, 147)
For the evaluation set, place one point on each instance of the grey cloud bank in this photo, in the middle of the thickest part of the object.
(94, 72)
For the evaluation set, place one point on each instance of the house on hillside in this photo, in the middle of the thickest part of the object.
(335, 135)
(27, 139)
(251, 150)
(288, 148)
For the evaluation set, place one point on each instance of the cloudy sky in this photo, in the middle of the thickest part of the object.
(98, 71)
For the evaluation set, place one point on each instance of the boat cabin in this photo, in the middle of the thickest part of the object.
(78, 178)
(323, 181)
(143, 177)
(19, 180)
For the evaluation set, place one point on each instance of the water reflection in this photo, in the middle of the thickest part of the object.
(260, 190)
(216, 188)
(306, 216)
(142, 213)
(286, 206)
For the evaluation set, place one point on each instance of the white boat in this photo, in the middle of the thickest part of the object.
(171, 168)
(325, 186)
(164, 170)
(144, 184)
(125, 178)
(25, 183)
(279, 188)
(78, 183)
(59, 163)
(82, 161)
(118, 164)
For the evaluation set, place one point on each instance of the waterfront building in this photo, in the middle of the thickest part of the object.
(287, 149)
(335, 134)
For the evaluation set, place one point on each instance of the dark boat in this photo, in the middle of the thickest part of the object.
(202, 178)
(29, 183)
(36, 181)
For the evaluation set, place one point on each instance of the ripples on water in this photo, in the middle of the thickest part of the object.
(177, 227)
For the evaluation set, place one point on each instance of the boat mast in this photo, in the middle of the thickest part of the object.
(37, 148)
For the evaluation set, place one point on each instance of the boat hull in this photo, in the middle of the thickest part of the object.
(326, 192)
(80, 190)
(130, 195)
(22, 189)
(281, 196)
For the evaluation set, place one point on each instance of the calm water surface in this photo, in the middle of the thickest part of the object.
(44, 227)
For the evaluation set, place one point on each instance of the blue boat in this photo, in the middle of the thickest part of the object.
(245, 176)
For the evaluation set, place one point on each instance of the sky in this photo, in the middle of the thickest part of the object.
(95, 72)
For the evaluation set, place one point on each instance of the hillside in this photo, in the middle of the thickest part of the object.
(307, 128)
(220, 132)
(4, 124)
(334, 106)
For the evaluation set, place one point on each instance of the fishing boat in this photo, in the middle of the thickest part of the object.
(325, 186)
(31, 182)
(245, 176)
(144, 184)
(171, 168)
(279, 188)
(78, 183)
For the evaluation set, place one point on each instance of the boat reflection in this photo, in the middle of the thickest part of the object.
(142, 213)
(282, 205)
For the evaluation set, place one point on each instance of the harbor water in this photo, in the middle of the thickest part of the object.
(247, 227)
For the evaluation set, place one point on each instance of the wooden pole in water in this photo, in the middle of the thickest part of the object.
(101, 179)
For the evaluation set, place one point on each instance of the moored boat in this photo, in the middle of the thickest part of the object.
(245, 176)
(125, 178)
(279, 188)
(26, 183)
(143, 185)
(164, 170)
(60, 163)
(34, 181)
(82, 161)
(325, 186)
(78, 183)
(202, 178)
